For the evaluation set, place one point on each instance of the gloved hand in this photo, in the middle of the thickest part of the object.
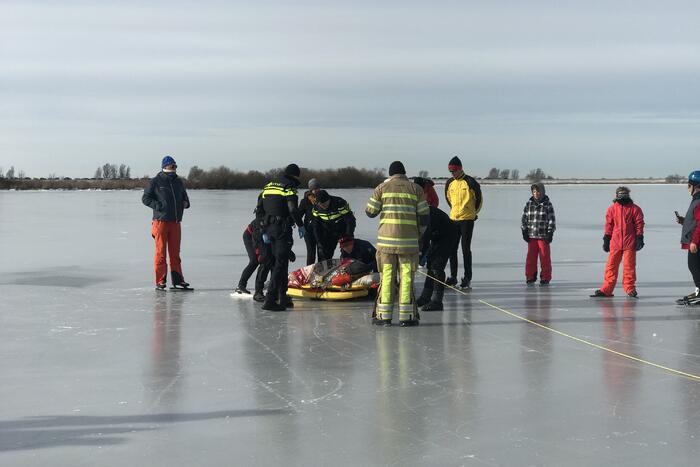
(292, 256)
(526, 237)
(549, 238)
(640, 242)
(606, 243)
(302, 231)
(423, 259)
(266, 238)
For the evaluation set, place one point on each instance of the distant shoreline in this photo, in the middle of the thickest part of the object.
(95, 186)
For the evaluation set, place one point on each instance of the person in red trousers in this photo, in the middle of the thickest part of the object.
(624, 237)
(538, 225)
(166, 195)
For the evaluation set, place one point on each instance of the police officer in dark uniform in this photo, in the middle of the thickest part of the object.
(332, 219)
(277, 212)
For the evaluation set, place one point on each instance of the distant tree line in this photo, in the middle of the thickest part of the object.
(112, 172)
(503, 174)
(223, 178)
(118, 177)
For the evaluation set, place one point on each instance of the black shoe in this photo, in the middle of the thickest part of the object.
(465, 284)
(530, 281)
(259, 296)
(241, 290)
(600, 293)
(409, 322)
(691, 296)
(433, 306)
(544, 282)
(381, 322)
(632, 294)
(286, 301)
(422, 301)
(272, 306)
(451, 281)
(161, 286)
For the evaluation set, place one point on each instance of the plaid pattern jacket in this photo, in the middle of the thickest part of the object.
(538, 218)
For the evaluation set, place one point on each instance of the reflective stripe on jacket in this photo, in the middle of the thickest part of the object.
(463, 195)
(404, 215)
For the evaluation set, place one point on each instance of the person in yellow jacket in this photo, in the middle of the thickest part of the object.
(463, 195)
(404, 217)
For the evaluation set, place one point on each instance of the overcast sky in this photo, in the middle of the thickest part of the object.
(580, 88)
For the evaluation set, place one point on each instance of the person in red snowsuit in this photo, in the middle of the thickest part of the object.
(624, 236)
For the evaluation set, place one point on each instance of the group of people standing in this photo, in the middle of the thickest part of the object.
(412, 231)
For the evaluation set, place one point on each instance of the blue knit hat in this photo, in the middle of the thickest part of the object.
(167, 160)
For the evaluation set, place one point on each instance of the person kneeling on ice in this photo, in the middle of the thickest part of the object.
(690, 237)
(256, 250)
(361, 250)
(437, 244)
(166, 195)
(624, 236)
(538, 226)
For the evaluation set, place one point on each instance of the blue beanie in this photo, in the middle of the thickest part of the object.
(167, 160)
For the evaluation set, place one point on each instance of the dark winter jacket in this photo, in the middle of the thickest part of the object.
(442, 234)
(364, 251)
(334, 222)
(166, 195)
(538, 218)
(691, 223)
(306, 207)
(278, 202)
(624, 222)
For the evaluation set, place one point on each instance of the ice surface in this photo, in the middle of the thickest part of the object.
(99, 369)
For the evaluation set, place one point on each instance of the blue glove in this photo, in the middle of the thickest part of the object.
(423, 260)
(302, 231)
(266, 238)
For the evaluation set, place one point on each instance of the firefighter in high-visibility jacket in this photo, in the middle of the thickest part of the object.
(404, 216)
(277, 212)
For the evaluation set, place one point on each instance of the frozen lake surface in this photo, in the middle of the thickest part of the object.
(99, 369)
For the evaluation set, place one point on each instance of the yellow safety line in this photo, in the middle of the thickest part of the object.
(577, 339)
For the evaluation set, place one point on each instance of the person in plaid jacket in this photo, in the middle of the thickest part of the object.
(538, 225)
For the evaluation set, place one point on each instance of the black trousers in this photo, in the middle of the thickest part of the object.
(694, 267)
(466, 229)
(434, 290)
(310, 240)
(326, 247)
(281, 244)
(252, 259)
(267, 262)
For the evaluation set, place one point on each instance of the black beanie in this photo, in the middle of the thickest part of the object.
(292, 170)
(454, 164)
(397, 167)
(322, 196)
(420, 181)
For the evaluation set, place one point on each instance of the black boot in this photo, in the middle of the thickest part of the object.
(286, 301)
(177, 279)
(422, 300)
(270, 305)
(433, 306)
(259, 296)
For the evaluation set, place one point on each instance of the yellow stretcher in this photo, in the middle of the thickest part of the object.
(329, 293)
